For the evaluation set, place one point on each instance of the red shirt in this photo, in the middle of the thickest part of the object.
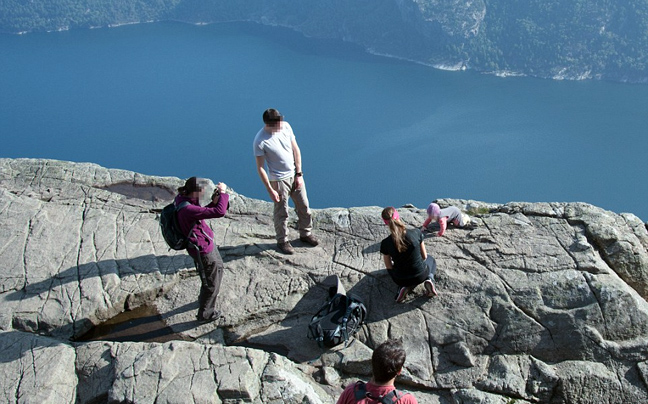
(348, 395)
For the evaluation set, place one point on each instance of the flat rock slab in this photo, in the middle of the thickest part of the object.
(538, 302)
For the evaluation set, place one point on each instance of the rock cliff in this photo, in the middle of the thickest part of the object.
(542, 302)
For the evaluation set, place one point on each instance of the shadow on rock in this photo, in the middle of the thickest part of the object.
(143, 324)
(378, 292)
(91, 293)
(107, 271)
(290, 337)
(233, 253)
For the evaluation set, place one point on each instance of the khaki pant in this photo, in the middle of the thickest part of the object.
(285, 189)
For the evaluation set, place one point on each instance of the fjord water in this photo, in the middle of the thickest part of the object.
(182, 100)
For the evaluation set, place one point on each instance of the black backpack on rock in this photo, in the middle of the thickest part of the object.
(338, 319)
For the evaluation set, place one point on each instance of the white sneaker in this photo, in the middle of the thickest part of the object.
(429, 287)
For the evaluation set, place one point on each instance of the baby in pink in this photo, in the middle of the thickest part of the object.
(450, 214)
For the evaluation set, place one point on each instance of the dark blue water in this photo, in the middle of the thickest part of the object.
(181, 100)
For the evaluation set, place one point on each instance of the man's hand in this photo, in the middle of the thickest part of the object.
(274, 195)
(298, 182)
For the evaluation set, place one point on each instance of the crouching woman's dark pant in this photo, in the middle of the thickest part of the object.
(417, 279)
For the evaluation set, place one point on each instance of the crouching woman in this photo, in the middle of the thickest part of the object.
(405, 257)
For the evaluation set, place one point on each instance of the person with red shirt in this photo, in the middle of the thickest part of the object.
(386, 364)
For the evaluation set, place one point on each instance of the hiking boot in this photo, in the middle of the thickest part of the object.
(202, 320)
(402, 294)
(430, 289)
(286, 248)
(310, 239)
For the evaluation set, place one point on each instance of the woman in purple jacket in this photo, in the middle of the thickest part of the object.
(201, 240)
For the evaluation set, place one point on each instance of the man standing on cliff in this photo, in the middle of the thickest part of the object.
(276, 147)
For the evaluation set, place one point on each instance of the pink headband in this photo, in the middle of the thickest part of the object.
(395, 216)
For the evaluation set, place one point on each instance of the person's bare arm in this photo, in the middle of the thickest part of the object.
(388, 261)
(260, 163)
(298, 163)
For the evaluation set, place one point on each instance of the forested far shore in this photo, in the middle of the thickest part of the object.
(543, 38)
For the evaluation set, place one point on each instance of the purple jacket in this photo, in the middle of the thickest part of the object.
(202, 236)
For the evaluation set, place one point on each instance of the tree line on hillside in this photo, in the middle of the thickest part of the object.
(546, 38)
(540, 37)
(39, 15)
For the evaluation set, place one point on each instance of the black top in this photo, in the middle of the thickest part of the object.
(408, 264)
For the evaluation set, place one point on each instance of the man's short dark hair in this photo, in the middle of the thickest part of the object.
(387, 360)
(272, 116)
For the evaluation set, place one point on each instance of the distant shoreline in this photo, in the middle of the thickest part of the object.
(449, 66)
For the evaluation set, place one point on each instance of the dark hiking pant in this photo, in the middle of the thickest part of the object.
(430, 263)
(211, 274)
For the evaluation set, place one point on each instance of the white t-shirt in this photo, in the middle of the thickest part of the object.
(277, 149)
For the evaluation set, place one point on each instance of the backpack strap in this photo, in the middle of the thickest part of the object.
(314, 328)
(360, 392)
(392, 397)
(345, 333)
(178, 208)
(352, 305)
(181, 205)
(315, 332)
(199, 262)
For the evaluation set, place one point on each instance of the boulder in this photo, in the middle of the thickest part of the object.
(179, 371)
